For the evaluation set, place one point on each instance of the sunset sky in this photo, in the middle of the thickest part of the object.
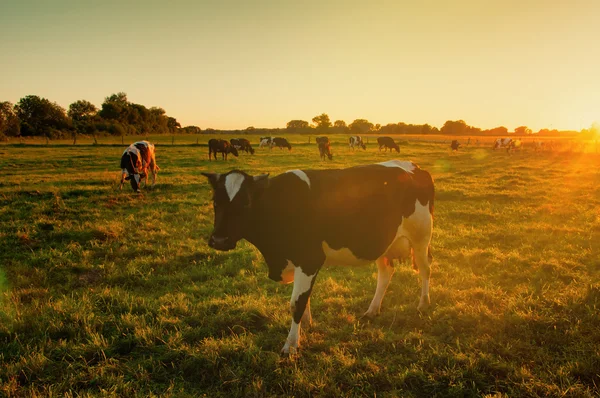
(233, 64)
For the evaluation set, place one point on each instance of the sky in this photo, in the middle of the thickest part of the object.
(233, 64)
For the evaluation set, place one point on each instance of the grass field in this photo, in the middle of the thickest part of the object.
(111, 293)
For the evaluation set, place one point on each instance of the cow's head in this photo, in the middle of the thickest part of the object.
(132, 163)
(251, 150)
(362, 144)
(233, 149)
(232, 201)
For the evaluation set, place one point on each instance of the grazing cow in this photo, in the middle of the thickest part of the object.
(539, 145)
(266, 141)
(303, 220)
(242, 144)
(281, 143)
(514, 145)
(356, 141)
(137, 161)
(387, 142)
(223, 147)
(324, 147)
(455, 145)
(502, 143)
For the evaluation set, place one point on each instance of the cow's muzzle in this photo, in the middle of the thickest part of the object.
(221, 243)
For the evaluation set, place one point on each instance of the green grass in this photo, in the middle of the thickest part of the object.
(110, 293)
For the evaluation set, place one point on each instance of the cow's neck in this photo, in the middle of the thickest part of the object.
(258, 227)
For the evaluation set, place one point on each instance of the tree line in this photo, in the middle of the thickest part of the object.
(36, 116)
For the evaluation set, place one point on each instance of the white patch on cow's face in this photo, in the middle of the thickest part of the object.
(125, 172)
(343, 256)
(137, 178)
(405, 165)
(233, 183)
(301, 175)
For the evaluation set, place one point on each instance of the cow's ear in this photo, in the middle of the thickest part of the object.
(260, 182)
(213, 178)
(261, 177)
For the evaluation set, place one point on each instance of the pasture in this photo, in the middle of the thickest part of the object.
(107, 292)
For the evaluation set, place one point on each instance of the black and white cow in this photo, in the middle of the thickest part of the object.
(356, 141)
(216, 145)
(502, 143)
(514, 145)
(324, 148)
(281, 143)
(303, 220)
(455, 145)
(137, 161)
(266, 141)
(387, 142)
(242, 144)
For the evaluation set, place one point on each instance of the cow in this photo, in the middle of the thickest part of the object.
(281, 143)
(455, 145)
(216, 145)
(514, 145)
(539, 145)
(502, 143)
(356, 141)
(137, 161)
(266, 141)
(242, 144)
(324, 148)
(302, 220)
(387, 142)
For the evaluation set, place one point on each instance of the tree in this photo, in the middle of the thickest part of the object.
(41, 117)
(522, 130)
(10, 125)
(322, 121)
(297, 126)
(458, 127)
(360, 126)
(82, 110)
(340, 124)
(173, 124)
(501, 130)
(82, 113)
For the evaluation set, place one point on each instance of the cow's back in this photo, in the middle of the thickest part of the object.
(359, 208)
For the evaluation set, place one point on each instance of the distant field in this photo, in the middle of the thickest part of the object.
(110, 293)
(202, 139)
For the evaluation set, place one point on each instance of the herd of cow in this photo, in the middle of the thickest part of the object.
(302, 220)
(234, 145)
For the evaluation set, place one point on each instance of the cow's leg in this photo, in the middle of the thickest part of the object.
(154, 169)
(300, 297)
(385, 270)
(307, 317)
(122, 181)
(209, 153)
(422, 258)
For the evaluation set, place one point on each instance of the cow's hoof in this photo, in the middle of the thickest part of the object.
(370, 314)
(289, 351)
(138, 191)
(423, 307)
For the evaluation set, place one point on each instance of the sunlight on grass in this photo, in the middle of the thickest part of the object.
(110, 292)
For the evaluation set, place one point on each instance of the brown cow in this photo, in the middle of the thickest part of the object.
(216, 145)
(324, 147)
